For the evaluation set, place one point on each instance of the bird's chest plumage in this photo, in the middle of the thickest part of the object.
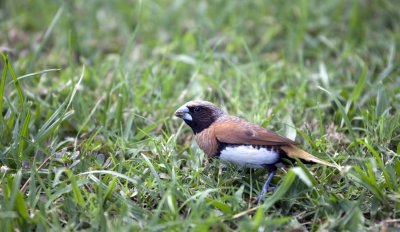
(207, 141)
(249, 155)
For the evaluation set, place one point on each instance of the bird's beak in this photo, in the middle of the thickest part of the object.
(183, 113)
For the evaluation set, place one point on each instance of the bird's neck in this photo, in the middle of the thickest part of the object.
(197, 127)
(200, 124)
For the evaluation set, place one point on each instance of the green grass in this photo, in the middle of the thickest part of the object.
(88, 89)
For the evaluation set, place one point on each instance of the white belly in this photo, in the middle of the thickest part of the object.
(247, 155)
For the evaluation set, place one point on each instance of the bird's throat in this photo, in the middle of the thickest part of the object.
(197, 127)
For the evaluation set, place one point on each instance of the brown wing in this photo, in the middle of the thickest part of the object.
(234, 130)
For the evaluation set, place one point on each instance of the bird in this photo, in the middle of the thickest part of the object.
(235, 140)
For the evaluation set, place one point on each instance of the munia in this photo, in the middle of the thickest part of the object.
(232, 139)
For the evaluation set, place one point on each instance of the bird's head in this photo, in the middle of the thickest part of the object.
(199, 115)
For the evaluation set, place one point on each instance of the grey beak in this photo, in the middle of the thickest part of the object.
(183, 112)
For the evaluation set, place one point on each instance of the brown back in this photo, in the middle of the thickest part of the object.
(233, 130)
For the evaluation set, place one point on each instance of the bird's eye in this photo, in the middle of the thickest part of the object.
(197, 109)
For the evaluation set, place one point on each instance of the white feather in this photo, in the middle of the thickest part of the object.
(247, 155)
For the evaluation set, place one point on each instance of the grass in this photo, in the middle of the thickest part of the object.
(88, 140)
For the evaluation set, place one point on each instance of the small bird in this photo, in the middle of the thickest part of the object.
(232, 139)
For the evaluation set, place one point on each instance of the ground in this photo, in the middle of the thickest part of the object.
(88, 140)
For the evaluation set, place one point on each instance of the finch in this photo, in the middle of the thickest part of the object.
(232, 139)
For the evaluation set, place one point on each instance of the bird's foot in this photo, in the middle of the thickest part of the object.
(259, 198)
(266, 187)
(262, 195)
(271, 188)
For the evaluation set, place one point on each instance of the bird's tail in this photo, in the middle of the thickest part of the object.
(294, 152)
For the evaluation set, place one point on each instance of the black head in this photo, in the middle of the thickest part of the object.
(199, 115)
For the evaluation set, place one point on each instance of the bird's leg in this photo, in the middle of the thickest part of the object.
(271, 187)
(266, 185)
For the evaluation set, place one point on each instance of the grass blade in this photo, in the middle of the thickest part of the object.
(24, 133)
(367, 181)
(282, 189)
(2, 84)
(379, 160)
(46, 36)
(343, 113)
(14, 77)
(360, 84)
(116, 174)
(382, 102)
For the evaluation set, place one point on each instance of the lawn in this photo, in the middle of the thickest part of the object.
(89, 141)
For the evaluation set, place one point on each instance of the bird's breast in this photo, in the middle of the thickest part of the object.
(249, 155)
(207, 142)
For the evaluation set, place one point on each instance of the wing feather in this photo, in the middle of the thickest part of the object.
(233, 130)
